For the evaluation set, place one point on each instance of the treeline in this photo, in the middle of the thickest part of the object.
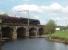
(63, 28)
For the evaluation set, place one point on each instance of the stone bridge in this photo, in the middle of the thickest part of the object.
(14, 28)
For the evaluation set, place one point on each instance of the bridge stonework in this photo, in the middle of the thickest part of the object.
(18, 29)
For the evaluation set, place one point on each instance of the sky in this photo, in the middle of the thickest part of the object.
(43, 10)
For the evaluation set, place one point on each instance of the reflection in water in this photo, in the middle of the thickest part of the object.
(60, 46)
(34, 44)
(0, 47)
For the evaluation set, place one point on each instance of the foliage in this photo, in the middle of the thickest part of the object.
(49, 27)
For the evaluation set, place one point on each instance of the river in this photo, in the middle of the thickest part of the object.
(34, 44)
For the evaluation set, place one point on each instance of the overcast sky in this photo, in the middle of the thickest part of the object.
(42, 10)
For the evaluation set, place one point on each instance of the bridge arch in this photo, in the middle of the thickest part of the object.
(21, 32)
(7, 32)
(40, 31)
(32, 31)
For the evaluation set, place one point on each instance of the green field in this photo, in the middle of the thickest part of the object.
(61, 34)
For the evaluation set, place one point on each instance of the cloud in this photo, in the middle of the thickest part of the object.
(33, 8)
(52, 7)
(54, 11)
(55, 7)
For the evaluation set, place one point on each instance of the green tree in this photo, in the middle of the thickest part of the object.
(49, 27)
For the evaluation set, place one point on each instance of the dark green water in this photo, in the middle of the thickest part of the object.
(34, 44)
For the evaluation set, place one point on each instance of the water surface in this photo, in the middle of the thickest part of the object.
(34, 44)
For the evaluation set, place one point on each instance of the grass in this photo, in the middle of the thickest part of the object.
(61, 34)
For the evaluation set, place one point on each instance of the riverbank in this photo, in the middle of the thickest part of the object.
(60, 36)
(60, 40)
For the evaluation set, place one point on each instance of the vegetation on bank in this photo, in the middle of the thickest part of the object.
(61, 34)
